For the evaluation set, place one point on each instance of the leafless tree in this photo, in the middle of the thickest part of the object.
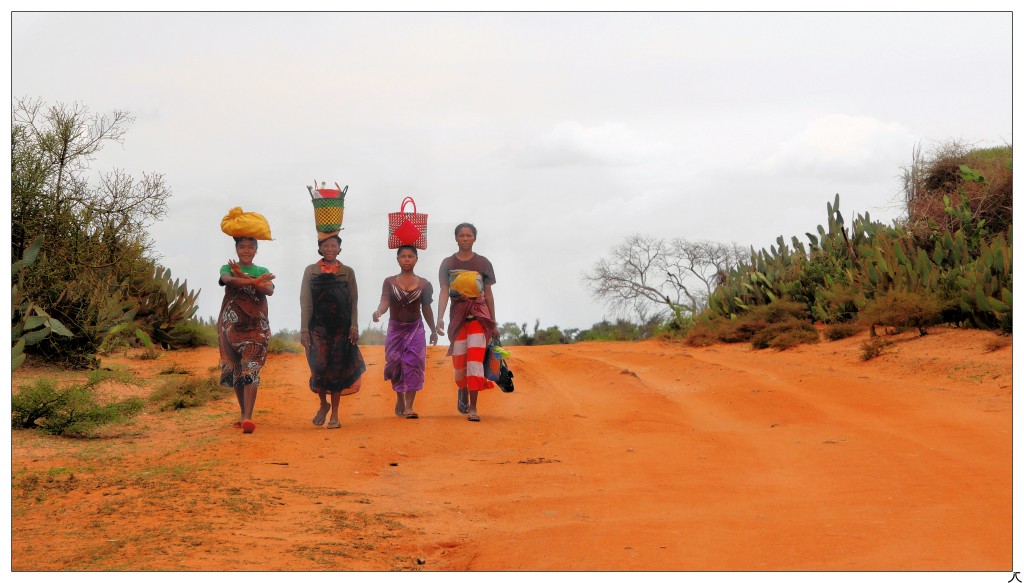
(52, 147)
(646, 273)
(707, 262)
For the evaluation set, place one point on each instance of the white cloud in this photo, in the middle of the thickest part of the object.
(556, 133)
(843, 147)
(570, 143)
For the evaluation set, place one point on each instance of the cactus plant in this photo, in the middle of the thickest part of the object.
(164, 304)
(30, 322)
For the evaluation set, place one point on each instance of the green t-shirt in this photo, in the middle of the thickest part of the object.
(253, 270)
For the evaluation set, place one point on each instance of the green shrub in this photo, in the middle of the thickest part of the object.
(787, 334)
(72, 411)
(902, 310)
(873, 347)
(194, 332)
(741, 329)
(841, 330)
(676, 327)
(285, 341)
(372, 336)
(619, 331)
(191, 392)
(780, 325)
(551, 335)
(704, 332)
(278, 345)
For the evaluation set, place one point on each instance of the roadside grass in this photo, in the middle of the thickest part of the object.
(175, 369)
(368, 529)
(999, 342)
(52, 475)
(113, 496)
(116, 487)
(178, 393)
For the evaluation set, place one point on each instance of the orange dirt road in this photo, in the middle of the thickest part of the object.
(607, 457)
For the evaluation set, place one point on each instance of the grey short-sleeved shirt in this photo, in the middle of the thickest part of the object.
(477, 263)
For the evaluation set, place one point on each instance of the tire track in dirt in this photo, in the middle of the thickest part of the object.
(608, 456)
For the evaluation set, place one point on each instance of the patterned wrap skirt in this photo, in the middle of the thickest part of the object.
(335, 363)
(243, 331)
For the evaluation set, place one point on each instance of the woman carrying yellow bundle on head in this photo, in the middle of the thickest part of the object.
(243, 326)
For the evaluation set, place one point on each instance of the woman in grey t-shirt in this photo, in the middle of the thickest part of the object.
(465, 279)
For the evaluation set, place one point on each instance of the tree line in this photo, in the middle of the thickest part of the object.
(947, 260)
(84, 274)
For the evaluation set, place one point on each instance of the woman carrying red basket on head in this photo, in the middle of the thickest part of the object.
(405, 297)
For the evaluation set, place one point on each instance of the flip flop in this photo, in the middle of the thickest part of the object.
(473, 417)
(334, 425)
(319, 418)
(411, 415)
(463, 401)
(248, 426)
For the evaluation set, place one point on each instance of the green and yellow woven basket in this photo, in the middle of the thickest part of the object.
(329, 213)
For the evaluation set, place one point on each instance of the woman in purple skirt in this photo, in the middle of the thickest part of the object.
(405, 349)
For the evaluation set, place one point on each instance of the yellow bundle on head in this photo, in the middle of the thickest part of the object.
(240, 224)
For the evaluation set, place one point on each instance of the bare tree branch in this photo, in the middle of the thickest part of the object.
(676, 278)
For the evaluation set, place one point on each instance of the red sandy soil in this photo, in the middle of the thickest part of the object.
(607, 457)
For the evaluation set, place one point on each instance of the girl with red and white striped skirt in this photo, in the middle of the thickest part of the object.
(466, 278)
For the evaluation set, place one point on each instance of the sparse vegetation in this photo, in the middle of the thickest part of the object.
(278, 345)
(902, 311)
(189, 392)
(998, 343)
(196, 332)
(371, 336)
(71, 411)
(85, 262)
(841, 330)
(916, 274)
(174, 369)
(874, 347)
(778, 325)
(935, 182)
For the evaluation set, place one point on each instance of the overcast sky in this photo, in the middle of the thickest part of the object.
(557, 134)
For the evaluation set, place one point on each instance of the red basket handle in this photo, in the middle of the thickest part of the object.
(406, 201)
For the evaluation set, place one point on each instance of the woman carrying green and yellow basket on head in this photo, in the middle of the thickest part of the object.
(330, 330)
(328, 301)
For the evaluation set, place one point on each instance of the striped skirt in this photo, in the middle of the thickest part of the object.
(468, 353)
